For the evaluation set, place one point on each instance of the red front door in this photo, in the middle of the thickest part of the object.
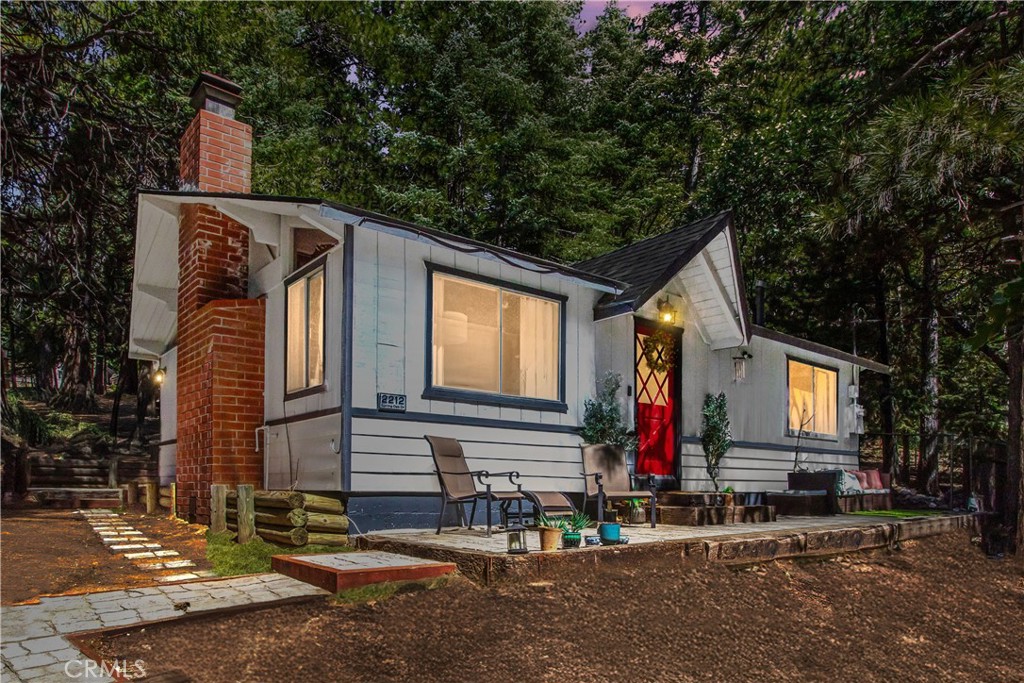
(655, 409)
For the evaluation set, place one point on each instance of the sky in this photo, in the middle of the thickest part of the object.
(593, 8)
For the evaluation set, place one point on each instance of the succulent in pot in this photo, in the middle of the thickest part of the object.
(575, 524)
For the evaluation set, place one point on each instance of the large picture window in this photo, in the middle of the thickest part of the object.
(305, 316)
(496, 340)
(813, 402)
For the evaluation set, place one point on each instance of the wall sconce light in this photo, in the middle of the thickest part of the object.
(739, 366)
(159, 376)
(666, 314)
(517, 540)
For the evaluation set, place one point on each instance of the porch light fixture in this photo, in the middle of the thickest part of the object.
(159, 376)
(517, 540)
(666, 313)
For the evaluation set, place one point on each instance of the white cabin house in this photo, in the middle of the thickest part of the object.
(377, 332)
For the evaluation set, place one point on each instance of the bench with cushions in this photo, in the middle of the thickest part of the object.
(848, 490)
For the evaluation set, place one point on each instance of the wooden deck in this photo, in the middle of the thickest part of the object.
(485, 559)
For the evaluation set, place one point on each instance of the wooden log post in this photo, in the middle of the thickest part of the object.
(272, 517)
(327, 539)
(218, 508)
(131, 492)
(297, 536)
(275, 499)
(152, 497)
(315, 503)
(246, 513)
(318, 521)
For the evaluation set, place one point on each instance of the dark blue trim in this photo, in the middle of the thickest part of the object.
(773, 446)
(436, 393)
(485, 399)
(348, 299)
(372, 414)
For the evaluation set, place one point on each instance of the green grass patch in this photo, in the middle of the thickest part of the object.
(899, 514)
(376, 592)
(231, 559)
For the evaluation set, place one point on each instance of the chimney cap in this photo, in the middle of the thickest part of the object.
(216, 93)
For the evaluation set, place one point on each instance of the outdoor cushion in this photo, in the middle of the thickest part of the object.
(849, 484)
(874, 480)
(862, 478)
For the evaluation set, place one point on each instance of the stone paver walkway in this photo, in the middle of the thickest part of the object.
(35, 645)
(120, 537)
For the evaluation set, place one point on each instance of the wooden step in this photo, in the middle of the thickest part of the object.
(94, 503)
(338, 571)
(688, 515)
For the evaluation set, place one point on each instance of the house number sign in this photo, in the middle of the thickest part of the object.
(391, 403)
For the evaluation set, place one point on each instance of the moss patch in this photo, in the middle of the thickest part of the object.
(231, 559)
(376, 592)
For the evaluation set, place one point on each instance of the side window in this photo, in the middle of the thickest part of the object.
(305, 332)
(813, 402)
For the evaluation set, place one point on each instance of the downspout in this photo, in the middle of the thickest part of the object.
(348, 297)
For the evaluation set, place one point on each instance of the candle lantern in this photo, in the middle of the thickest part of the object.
(517, 540)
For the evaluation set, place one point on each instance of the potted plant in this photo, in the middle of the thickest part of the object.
(610, 533)
(602, 417)
(728, 496)
(715, 434)
(576, 523)
(637, 511)
(551, 530)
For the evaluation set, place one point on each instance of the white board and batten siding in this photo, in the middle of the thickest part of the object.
(390, 326)
(758, 408)
(302, 453)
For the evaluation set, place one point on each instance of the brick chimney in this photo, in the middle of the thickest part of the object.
(220, 331)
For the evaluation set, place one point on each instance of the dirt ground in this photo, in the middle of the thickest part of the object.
(31, 565)
(935, 610)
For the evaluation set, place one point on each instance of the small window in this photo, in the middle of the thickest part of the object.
(490, 339)
(813, 402)
(305, 305)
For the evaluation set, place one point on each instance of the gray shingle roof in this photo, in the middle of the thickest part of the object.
(646, 266)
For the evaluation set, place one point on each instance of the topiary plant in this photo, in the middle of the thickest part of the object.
(602, 417)
(715, 435)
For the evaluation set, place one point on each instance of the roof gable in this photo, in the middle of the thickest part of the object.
(646, 266)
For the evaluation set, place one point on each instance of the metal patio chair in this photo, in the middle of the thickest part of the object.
(607, 477)
(458, 484)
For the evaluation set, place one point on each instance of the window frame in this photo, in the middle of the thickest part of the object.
(434, 392)
(794, 433)
(304, 273)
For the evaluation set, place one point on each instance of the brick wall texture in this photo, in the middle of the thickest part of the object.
(220, 332)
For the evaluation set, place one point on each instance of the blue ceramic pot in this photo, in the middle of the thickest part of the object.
(609, 533)
(592, 540)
